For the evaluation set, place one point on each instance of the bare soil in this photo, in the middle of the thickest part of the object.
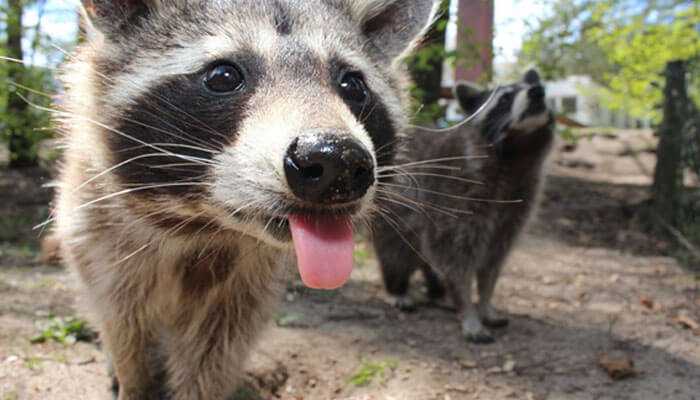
(585, 283)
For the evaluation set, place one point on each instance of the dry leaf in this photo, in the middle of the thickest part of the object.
(618, 365)
(647, 303)
(509, 366)
(687, 323)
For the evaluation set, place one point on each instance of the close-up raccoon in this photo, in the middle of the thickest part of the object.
(458, 220)
(207, 140)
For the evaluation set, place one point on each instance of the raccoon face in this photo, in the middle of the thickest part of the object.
(265, 117)
(518, 108)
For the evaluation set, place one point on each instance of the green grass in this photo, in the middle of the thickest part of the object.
(33, 363)
(288, 320)
(10, 396)
(369, 371)
(361, 255)
(65, 331)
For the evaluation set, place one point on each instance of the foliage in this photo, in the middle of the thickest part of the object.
(558, 46)
(623, 45)
(23, 126)
(33, 122)
(369, 371)
(425, 66)
(65, 331)
(639, 42)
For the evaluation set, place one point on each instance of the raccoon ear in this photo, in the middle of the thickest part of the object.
(394, 26)
(531, 77)
(115, 16)
(468, 95)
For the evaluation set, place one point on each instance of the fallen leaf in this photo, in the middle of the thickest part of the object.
(494, 370)
(647, 303)
(687, 323)
(509, 366)
(618, 365)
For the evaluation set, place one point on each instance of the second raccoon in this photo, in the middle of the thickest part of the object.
(456, 217)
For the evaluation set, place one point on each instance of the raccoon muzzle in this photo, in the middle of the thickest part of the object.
(328, 169)
(323, 170)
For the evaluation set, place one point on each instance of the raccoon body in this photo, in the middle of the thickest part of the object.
(457, 219)
(205, 142)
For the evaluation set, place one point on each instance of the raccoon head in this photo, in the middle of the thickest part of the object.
(265, 117)
(518, 108)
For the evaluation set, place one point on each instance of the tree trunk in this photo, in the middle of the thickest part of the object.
(668, 177)
(20, 145)
(427, 73)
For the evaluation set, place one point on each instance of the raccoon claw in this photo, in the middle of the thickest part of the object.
(496, 322)
(404, 303)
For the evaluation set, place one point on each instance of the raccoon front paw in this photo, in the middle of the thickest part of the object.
(474, 332)
(492, 318)
(403, 303)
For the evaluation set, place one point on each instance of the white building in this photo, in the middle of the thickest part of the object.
(576, 98)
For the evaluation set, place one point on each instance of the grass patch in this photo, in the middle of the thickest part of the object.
(369, 371)
(361, 255)
(288, 320)
(33, 363)
(10, 396)
(66, 331)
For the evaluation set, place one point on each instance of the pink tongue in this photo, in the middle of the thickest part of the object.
(324, 249)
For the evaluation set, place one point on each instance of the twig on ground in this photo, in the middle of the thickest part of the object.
(679, 237)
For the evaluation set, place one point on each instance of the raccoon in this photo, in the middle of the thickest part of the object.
(456, 217)
(207, 142)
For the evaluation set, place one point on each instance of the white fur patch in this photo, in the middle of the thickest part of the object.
(531, 123)
(520, 104)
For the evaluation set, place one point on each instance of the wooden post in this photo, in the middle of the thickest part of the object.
(475, 40)
(668, 177)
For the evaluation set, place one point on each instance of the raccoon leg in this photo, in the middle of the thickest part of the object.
(127, 347)
(436, 290)
(159, 390)
(397, 278)
(459, 286)
(205, 355)
(486, 281)
(397, 262)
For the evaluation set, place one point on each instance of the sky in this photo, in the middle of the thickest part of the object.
(512, 18)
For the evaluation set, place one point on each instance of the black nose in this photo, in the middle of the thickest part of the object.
(328, 168)
(536, 93)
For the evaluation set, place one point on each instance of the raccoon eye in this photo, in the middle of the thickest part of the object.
(224, 78)
(353, 87)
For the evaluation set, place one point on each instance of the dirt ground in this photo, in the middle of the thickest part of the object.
(584, 284)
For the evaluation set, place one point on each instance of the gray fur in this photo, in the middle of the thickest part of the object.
(458, 232)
